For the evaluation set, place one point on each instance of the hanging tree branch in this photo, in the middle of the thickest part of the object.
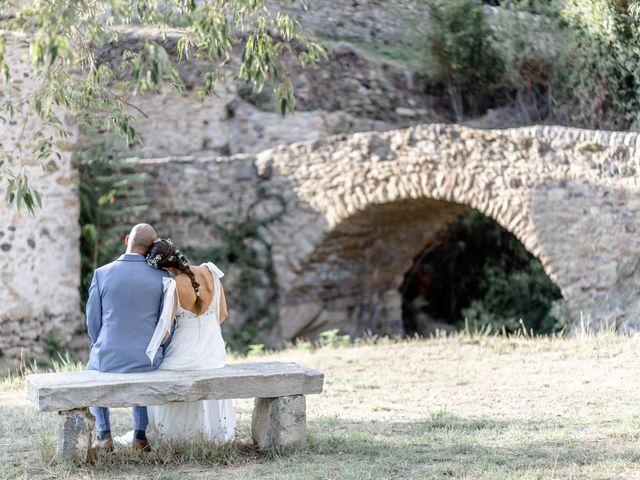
(61, 40)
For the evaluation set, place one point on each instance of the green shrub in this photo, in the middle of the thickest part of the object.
(333, 339)
(573, 62)
(524, 294)
(55, 347)
(528, 36)
(458, 54)
(111, 194)
(478, 271)
(256, 350)
(598, 85)
(240, 339)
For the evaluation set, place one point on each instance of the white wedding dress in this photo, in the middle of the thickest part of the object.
(197, 344)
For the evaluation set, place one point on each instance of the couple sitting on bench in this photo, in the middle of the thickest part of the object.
(151, 309)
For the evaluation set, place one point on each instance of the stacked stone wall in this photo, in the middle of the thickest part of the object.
(359, 208)
(371, 21)
(40, 253)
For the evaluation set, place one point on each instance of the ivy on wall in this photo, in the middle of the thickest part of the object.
(243, 247)
(111, 193)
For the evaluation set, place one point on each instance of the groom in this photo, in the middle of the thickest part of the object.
(125, 300)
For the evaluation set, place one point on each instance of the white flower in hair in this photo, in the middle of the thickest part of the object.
(153, 261)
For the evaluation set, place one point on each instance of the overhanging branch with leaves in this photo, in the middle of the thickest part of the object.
(61, 41)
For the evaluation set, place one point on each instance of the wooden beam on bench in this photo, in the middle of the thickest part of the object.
(68, 391)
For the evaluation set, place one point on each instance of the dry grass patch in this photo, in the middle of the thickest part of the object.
(468, 407)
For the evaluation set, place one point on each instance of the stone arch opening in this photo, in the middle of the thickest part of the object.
(353, 279)
(476, 272)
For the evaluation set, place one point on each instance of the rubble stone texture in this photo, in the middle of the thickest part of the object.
(74, 435)
(359, 208)
(280, 421)
(352, 91)
(39, 254)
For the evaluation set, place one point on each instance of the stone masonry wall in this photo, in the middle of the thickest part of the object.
(367, 20)
(359, 208)
(348, 93)
(39, 254)
(332, 268)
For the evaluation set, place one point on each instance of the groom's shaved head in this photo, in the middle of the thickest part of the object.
(141, 237)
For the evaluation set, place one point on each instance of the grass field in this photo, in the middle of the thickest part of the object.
(470, 407)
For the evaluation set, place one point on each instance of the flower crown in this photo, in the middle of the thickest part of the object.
(153, 261)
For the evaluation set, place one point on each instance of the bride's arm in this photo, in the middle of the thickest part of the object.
(223, 305)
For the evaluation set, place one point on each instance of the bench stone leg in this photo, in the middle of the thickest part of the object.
(279, 421)
(75, 429)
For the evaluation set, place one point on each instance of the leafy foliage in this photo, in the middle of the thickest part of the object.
(573, 62)
(332, 338)
(528, 44)
(61, 41)
(110, 194)
(524, 294)
(478, 271)
(601, 87)
(459, 54)
(54, 345)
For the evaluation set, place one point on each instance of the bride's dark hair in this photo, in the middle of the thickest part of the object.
(164, 254)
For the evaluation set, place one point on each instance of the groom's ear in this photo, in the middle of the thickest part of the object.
(126, 240)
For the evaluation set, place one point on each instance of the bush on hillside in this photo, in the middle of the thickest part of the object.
(573, 62)
(458, 54)
(600, 85)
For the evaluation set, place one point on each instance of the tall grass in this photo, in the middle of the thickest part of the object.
(63, 363)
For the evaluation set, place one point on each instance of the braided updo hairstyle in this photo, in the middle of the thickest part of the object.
(164, 254)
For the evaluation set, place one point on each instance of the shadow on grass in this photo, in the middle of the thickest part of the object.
(443, 445)
(457, 446)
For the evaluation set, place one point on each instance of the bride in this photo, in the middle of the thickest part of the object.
(195, 298)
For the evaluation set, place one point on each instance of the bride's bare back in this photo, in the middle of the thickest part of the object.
(187, 295)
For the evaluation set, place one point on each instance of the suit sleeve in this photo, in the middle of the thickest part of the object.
(94, 310)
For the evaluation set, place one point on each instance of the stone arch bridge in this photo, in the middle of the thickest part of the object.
(359, 208)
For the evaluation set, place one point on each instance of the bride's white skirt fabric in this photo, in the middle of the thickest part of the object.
(211, 420)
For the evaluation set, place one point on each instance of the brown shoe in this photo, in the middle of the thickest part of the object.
(141, 445)
(105, 445)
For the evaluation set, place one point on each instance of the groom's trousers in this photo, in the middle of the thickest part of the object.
(103, 424)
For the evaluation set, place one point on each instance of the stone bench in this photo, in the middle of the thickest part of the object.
(279, 415)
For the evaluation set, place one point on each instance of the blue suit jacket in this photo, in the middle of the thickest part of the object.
(125, 300)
